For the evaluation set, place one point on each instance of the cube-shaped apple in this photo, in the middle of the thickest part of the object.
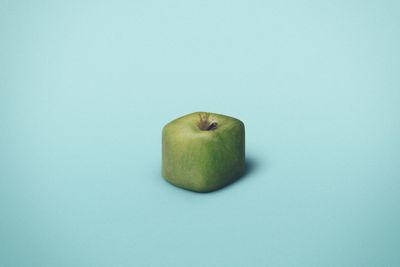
(203, 151)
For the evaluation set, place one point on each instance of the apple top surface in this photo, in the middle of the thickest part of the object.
(212, 122)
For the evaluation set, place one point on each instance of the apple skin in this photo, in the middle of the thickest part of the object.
(203, 160)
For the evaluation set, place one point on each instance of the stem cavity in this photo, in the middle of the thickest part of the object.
(206, 123)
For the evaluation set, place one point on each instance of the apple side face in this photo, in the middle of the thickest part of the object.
(203, 151)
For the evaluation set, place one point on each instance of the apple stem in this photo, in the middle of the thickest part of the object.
(205, 123)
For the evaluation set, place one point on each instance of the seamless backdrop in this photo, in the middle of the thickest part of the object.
(86, 86)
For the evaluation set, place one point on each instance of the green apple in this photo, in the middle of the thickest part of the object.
(203, 151)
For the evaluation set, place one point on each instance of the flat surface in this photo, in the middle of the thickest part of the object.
(85, 88)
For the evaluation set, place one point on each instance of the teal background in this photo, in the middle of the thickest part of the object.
(86, 86)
